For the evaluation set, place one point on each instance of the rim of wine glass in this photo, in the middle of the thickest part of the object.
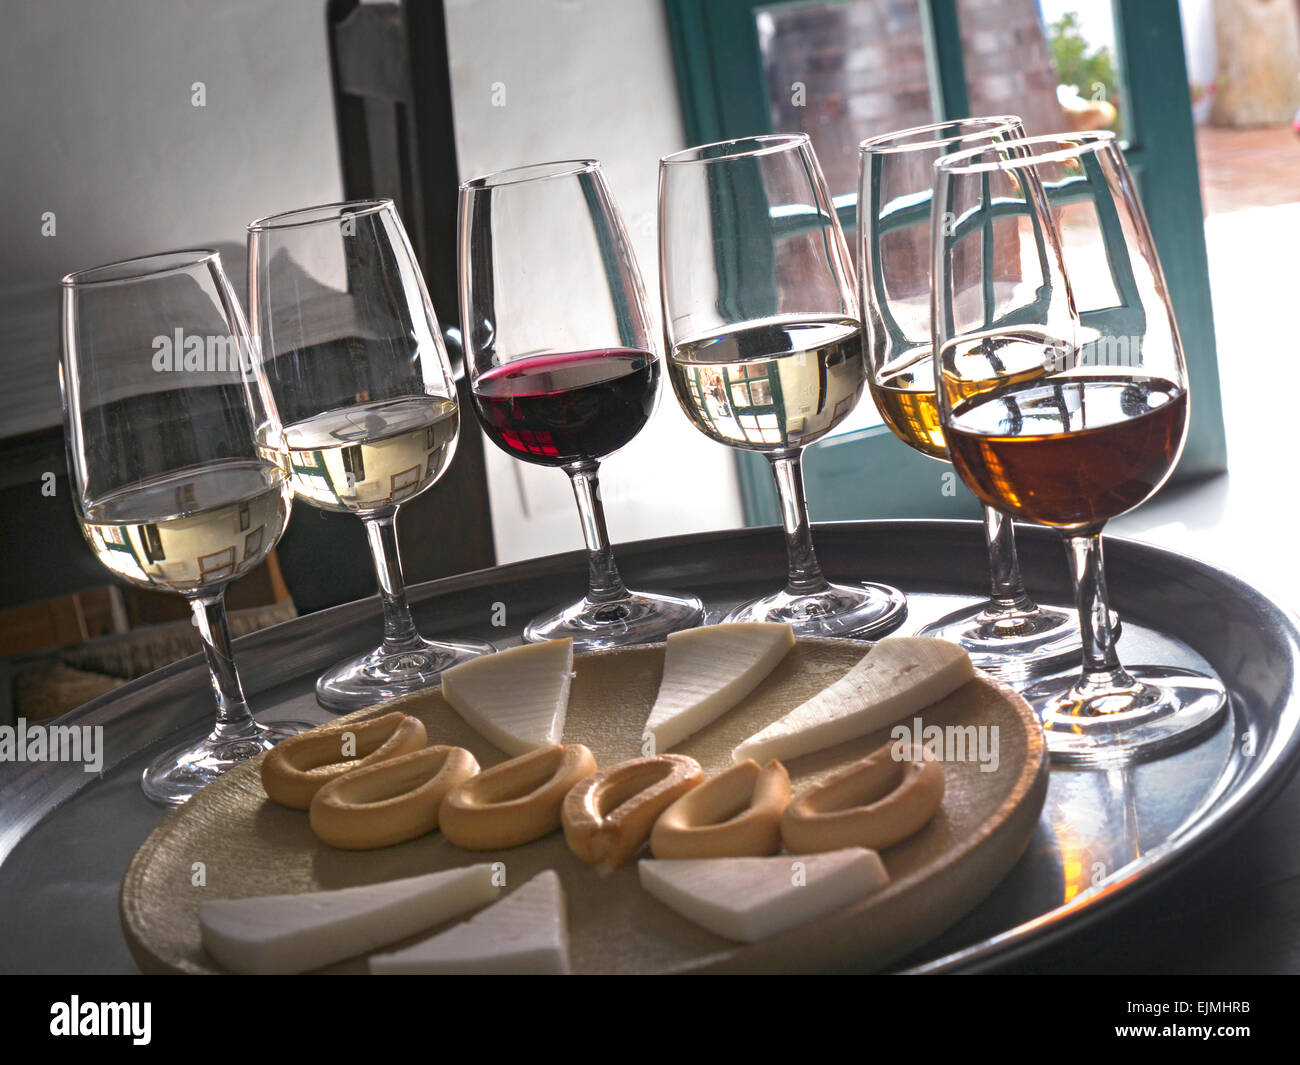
(517, 175)
(1072, 145)
(135, 269)
(321, 212)
(909, 140)
(767, 144)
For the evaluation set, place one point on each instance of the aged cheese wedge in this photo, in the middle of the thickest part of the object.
(898, 677)
(295, 933)
(515, 698)
(748, 899)
(709, 670)
(526, 932)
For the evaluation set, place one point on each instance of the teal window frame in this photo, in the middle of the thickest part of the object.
(870, 474)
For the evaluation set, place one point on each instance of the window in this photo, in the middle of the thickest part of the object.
(842, 70)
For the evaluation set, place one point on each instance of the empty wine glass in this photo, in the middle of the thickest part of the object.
(1063, 398)
(1008, 634)
(356, 361)
(563, 363)
(765, 344)
(177, 463)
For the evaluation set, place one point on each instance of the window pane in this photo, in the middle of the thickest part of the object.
(1053, 62)
(842, 72)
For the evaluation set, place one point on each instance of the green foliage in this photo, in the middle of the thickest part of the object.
(1077, 65)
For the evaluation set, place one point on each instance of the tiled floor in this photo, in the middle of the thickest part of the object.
(1248, 167)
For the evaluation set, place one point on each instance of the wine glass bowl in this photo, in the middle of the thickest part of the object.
(765, 342)
(1008, 635)
(178, 464)
(1063, 395)
(563, 364)
(356, 361)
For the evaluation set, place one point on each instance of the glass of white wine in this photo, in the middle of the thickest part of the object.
(178, 464)
(356, 363)
(765, 343)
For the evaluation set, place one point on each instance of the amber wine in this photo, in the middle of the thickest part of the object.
(369, 458)
(192, 531)
(906, 400)
(773, 385)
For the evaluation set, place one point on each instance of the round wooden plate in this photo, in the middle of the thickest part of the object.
(231, 841)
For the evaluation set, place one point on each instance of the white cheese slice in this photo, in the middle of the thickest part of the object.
(709, 670)
(515, 698)
(295, 933)
(898, 677)
(748, 899)
(526, 932)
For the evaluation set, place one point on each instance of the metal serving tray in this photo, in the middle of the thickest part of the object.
(1105, 835)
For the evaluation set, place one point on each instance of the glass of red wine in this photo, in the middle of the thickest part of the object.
(1063, 397)
(563, 364)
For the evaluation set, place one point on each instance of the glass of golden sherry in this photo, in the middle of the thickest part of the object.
(1009, 634)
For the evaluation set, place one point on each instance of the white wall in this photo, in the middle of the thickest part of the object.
(99, 127)
(586, 78)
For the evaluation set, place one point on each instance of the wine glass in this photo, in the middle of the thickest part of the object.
(765, 344)
(1063, 398)
(356, 362)
(177, 464)
(1009, 634)
(563, 364)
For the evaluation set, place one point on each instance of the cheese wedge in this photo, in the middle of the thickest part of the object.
(898, 677)
(295, 933)
(526, 932)
(709, 670)
(748, 899)
(515, 698)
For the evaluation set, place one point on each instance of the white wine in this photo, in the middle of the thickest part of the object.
(773, 385)
(369, 458)
(192, 531)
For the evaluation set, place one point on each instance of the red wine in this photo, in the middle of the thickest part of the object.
(1072, 452)
(559, 409)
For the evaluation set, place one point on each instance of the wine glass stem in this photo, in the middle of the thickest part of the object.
(1101, 666)
(234, 718)
(604, 585)
(804, 575)
(399, 627)
(1007, 594)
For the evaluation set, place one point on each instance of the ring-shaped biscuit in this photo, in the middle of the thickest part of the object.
(391, 801)
(515, 802)
(608, 816)
(736, 814)
(873, 803)
(299, 766)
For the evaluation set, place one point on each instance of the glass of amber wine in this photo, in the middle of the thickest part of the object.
(1008, 634)
(1063, 398)
(765, 343)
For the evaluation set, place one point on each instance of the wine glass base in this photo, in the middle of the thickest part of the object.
(378, 675)
(639, 617)
(838, 610)
(175, 775)
(1167, 709)
(1013, 645)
